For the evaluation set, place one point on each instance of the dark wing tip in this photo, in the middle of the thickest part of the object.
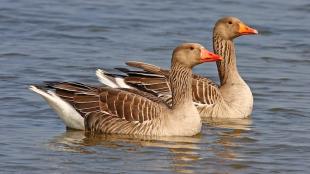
(124, 70)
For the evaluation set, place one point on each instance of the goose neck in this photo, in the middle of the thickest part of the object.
(181, 85)
(227, 68)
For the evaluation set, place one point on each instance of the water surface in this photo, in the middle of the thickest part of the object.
(68, 40)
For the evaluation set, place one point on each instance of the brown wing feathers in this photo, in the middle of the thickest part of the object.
(147, 67)
(86, 102)
(67, 90)
(109, 103)
(106, 123)
(129, 106)
(204, 90)
(122, 112)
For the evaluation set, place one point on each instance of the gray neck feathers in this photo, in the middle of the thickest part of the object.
(181, 84)
(227, 68)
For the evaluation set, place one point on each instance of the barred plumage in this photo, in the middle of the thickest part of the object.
(232, 98)
(130, 111)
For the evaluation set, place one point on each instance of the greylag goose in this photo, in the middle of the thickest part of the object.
(129, 111)
(232, 99)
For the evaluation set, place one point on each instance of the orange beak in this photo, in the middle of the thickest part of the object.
(246, 30)
(207, 56)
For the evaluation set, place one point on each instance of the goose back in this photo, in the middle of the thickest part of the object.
(111, 110)
(204, 91)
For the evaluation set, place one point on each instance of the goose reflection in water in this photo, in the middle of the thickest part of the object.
(184, 152)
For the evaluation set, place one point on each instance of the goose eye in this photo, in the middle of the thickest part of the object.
(191, 48)
(229, 22)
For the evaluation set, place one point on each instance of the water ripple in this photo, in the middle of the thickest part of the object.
(68, 40)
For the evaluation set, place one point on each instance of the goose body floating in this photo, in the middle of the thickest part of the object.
(130, 111)
(231, 99)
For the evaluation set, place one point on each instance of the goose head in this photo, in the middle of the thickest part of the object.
(231, 27)
(191, 54)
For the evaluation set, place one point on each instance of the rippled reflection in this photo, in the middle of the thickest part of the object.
(239, 124)
(184, 153)
(231, 134)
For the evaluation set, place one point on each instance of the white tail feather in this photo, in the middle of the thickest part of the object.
(66, 112)
(121, 83)
(117, 82)
(104, 79)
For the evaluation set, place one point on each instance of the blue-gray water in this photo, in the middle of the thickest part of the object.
(67, 41)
